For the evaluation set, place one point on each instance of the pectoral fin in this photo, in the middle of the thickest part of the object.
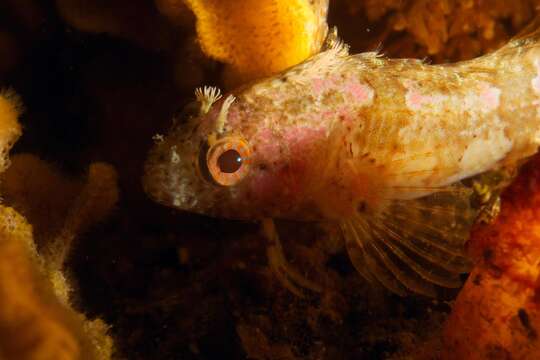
(413, 245)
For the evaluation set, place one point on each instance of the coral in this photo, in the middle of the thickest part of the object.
(497, 313)
(281, 33)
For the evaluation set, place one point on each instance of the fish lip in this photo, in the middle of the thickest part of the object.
(155, 188)
(172, 185)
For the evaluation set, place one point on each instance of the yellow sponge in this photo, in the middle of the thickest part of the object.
(260, 37)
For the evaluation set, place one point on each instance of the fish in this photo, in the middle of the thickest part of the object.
(380, 148)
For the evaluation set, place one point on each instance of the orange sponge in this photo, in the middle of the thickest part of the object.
(497, 314)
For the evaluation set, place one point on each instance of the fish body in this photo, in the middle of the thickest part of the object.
(378, 146)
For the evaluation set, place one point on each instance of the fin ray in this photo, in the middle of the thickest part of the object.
(414, 245)
(399, 270)
(366, 264)
(355, 250)
(426, 264)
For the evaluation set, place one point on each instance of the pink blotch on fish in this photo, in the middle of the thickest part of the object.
(361, 93)
(415, 100)
(303, 138)
(320, 86)
(301, 142)
(536, 80)
(355, 91)
(490, 96)
(267, 145)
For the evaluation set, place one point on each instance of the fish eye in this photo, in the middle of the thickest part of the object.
(228, 161)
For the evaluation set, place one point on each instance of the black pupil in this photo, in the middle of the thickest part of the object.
(230, 161)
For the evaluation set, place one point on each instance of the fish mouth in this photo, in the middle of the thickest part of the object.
(170, 179)
(155, 184)
(172, 188)
(167, 179)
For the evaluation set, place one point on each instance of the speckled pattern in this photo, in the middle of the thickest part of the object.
(361, 128)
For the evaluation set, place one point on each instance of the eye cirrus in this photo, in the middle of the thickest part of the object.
(228, 161)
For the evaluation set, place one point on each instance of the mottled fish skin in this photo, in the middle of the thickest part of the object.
(338, 133)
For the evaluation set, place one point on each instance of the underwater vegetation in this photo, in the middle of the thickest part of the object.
(91, 268)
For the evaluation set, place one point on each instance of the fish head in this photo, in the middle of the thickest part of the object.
(229, 160)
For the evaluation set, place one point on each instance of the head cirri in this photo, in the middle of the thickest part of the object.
(219, 162)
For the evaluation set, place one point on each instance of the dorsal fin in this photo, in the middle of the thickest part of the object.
(413, 246)
(335, 43)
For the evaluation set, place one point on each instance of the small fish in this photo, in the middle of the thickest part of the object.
(377, 146)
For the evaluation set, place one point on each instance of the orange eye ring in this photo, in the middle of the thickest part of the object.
(228, 160)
